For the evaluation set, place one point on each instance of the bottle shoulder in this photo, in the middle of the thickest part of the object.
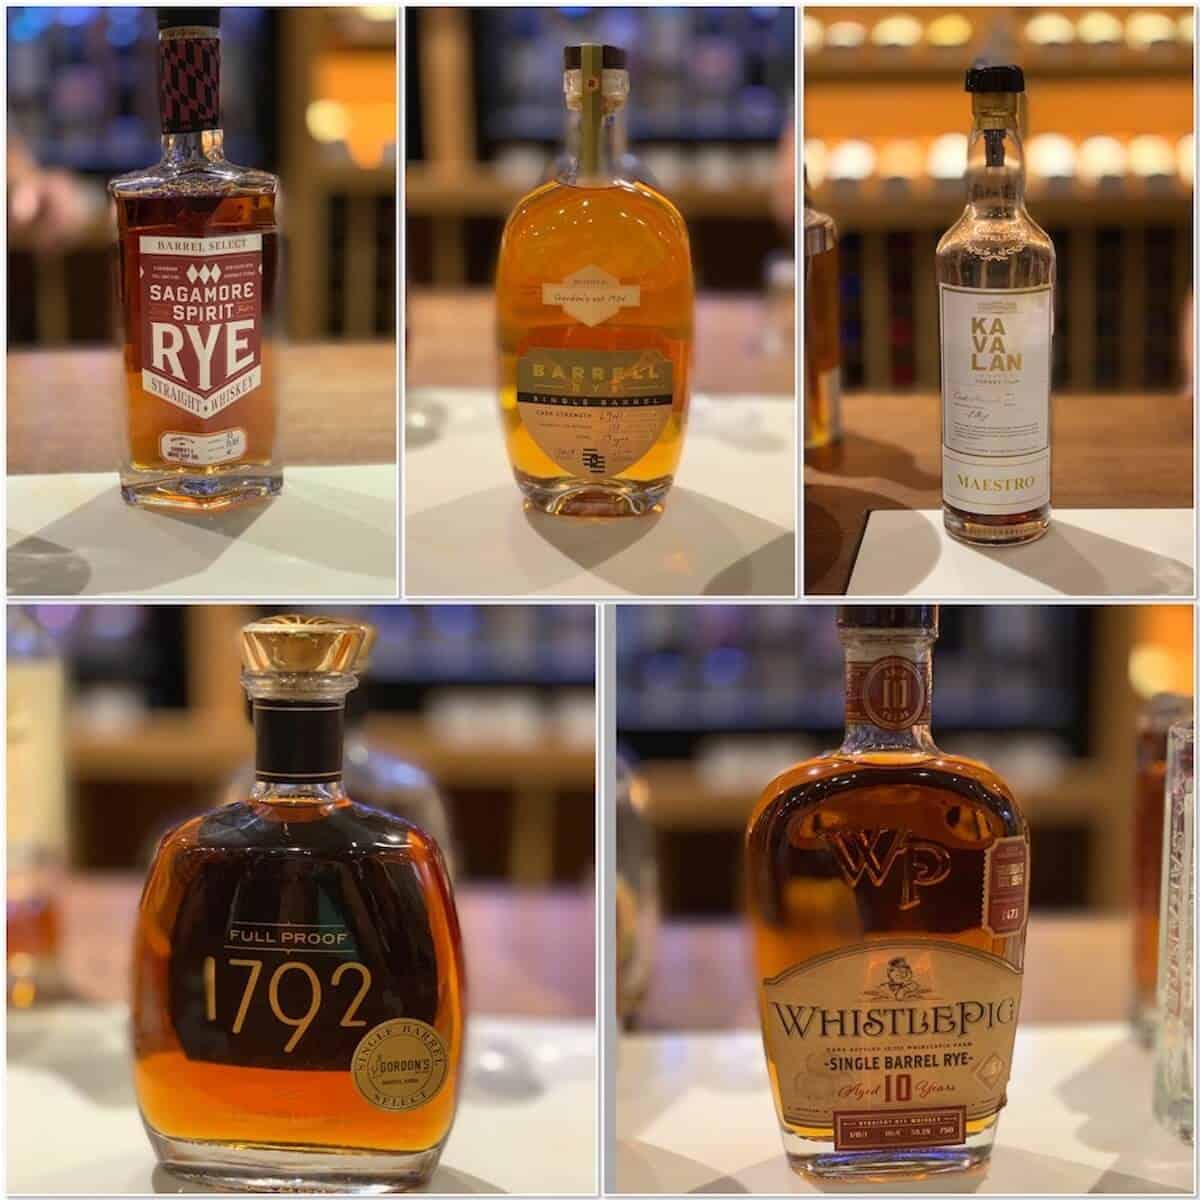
(202, 177)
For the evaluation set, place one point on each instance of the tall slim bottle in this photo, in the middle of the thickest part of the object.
(995, 273)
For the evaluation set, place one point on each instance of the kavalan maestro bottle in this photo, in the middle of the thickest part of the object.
(594, 303)
(298, 976)
(888, 889)
(995, 272)
(199, 249)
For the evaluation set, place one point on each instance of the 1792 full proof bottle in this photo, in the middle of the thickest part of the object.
(995, 273)
(298, 1005)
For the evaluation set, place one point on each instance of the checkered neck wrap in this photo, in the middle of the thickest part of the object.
(189, 83)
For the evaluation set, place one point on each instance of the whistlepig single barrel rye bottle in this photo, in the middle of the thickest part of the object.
(298, 976)
(887, 891)
(199, 249)
(594, 300)
(995, 273)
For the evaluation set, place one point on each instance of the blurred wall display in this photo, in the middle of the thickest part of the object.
(83, 107)
(711, 99)
(1108, 132)
(490, 705)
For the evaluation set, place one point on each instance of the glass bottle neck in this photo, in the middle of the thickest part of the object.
(889, 682)
(266, 791)
(595, 149)
(181, 150)
(996, 162)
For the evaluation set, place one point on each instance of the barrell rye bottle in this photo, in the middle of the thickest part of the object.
(199, 248)
(995, 273)
(594, 303)
(887, 893)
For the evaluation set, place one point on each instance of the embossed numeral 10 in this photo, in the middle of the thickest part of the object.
(299, 1023)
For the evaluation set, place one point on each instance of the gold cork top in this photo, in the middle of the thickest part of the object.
(294, 643)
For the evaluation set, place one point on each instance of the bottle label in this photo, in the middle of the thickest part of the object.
(591, 295)
(595, 412)
(294, 965)
(201, 306)
(400, 1064)
(189, 79)
(203, 451)
(892, 1043)
(298, 743)
(891, 692)
(996, 398)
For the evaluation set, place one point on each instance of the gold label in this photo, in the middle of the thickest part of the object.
(595, 412)
(892, 1027)
(591, 295)
(400, 1064)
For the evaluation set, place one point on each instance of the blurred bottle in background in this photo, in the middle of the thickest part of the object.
(637, 893)
(822, 354)
(1175, 1038)
(1157, 716)
(37, 809)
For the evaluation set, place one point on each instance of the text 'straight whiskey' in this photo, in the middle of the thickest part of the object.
(995, 272)
(887, 892)
(594, 300)
(199, 251)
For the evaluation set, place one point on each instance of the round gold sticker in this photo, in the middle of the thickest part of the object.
(400, 1064)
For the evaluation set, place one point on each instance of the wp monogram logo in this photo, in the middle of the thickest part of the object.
(875, 854)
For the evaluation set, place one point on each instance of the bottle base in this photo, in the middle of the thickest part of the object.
(567, 497)
(976, 530)
(200, 491)
(264, 1168)
(818, 1160)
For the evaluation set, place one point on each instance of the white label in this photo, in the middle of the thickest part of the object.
(203, 451)
(591, 295)
(996, 398)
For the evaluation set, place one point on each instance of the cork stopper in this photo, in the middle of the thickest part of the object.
(292, 644)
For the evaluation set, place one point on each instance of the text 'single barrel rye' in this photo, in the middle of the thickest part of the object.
(199, 258)
(995, 273)
(887, 895)
(594, 299)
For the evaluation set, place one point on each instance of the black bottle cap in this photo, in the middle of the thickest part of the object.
(995, 79)
(612, 58)
(888, 616)
(173, 18)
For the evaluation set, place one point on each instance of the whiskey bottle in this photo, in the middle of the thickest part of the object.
(594, 301)
(822, 349)
(198, 248)
(1154, 722)
(887, 895)
(298, 978)
(995, 273)
(37, 833)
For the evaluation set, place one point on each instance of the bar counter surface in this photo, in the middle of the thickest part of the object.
(1116, 450)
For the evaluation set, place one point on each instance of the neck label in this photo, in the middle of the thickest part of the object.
(297, 743)
(189, 81)
(892, 692)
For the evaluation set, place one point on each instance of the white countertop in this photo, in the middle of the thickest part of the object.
(727, 529)
(527, 1121)
(331, 532)
(694, 1113)
(1086, 552)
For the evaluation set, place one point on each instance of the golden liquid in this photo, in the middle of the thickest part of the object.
(634, 234)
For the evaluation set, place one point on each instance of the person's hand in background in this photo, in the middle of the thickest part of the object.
(50, 210)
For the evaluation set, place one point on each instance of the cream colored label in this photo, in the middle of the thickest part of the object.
(37, 790)
(204, 451)
(996, 398)
(892, 1026)
(595, 412)
(591, 295)
(400, 1064)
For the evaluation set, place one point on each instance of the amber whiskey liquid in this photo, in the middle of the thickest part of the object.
(594, 299)
(198, 262)
(887, 895)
